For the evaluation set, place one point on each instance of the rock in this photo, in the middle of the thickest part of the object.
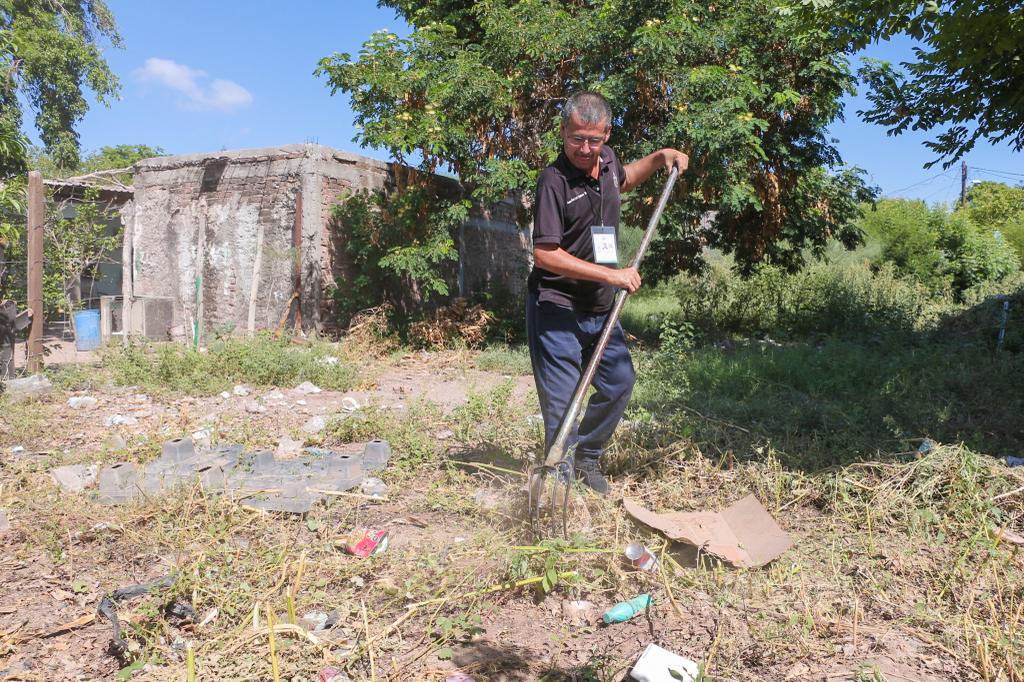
(202, 437)
(274, 395)
(315, 424)
(288, 448)
(74, 478)
(225, 395)
(28, 388)
(116, 442)
(120, 420)
(374, 487)
(487, 498)
(349, 404)
(254, 407)
(241, 390)
(444, 435)
(5, 525)
(81, 401)
(307, 387)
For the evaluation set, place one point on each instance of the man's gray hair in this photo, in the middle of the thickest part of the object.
(589, 107)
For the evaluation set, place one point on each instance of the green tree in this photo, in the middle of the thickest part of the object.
(477, 86)
(966, 75)
(49, 56)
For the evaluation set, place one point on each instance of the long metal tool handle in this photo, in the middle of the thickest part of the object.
(557, 451)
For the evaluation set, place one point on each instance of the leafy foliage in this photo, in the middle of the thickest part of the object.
(966, 77)
(947, 252)
(999, 208)
(50, 54)
(394, 243)
(477, 87)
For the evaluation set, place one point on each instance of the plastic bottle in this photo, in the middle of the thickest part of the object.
(625, 610)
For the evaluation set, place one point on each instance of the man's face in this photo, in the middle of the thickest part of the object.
(583, 141)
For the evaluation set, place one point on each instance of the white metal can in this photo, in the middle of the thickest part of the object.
(640, 557)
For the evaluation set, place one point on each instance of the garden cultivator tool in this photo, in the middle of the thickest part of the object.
(558, 469)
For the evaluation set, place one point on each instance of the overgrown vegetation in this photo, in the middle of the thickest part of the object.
(262, 361)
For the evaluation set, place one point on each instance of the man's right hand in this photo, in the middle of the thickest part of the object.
(626, 278)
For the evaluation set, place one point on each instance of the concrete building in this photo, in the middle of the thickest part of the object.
(235, 241)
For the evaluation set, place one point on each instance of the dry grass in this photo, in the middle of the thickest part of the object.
(899, 568)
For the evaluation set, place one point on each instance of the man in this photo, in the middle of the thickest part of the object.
(576, 273)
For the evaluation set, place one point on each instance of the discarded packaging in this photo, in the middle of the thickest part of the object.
(120, 420)
(743, 535)
(640, 557)
(660, 665)
(926, 446)
(625, 610)
(78, 402)
(241, 390)
(349, 404)
(1012, 461)
(307, 387)
(374, 487)
(364, 543)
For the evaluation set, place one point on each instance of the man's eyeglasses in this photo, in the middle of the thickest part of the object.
(578, 140)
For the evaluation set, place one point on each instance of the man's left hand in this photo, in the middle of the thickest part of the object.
(675, 158)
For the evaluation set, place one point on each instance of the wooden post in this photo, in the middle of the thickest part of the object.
(36, 212)
(963, 183)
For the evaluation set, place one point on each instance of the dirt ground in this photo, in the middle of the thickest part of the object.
(441, 598)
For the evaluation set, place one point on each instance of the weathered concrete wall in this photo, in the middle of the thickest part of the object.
(203, 215)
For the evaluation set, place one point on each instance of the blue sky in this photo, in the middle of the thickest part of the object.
(202, 75)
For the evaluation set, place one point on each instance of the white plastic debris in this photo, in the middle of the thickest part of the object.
(120, 420)
(307, 387)
(274, 395)
(17, 449)
(349, 404)
(374, 487)
(241, 390)
(81, 401)
(328, 360)
(225, 395)
(660, 665)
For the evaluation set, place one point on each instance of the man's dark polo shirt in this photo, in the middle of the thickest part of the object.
(568, 203)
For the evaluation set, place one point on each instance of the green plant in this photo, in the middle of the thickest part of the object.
(476, 88)
(395, 242)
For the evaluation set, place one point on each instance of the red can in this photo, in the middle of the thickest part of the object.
(366, 542)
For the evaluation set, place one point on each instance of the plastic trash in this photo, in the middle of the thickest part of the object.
(1012, 461)
(374, 487)
(625, 610)
(376, 454)
(660, 665)
(79, 401)
(363, 543)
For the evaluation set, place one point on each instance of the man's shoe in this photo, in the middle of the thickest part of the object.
(588, 472)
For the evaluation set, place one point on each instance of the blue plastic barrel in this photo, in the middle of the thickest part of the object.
(87, 330)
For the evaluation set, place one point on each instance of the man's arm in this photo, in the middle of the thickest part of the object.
(554, 258)
(639, 171)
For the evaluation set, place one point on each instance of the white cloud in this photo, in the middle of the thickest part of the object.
(200, 95)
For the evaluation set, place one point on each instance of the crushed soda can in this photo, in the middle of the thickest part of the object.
(363, 543)
(640, 557)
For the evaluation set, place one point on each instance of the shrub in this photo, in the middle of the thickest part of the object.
(825, 298)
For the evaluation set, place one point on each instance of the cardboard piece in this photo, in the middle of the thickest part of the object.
(743, 535)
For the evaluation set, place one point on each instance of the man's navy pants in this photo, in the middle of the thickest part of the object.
(561, 344)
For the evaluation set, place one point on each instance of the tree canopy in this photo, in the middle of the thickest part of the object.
(49, 56)
(746, 90)
(967, 76)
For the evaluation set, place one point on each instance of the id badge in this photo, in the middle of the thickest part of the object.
(605, 249)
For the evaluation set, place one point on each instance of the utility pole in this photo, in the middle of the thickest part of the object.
(36, 208)
(963, 183)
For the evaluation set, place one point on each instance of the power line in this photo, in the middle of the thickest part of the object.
(997, 172)
(917, 184)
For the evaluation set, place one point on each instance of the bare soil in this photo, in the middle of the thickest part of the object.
(454, 530)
